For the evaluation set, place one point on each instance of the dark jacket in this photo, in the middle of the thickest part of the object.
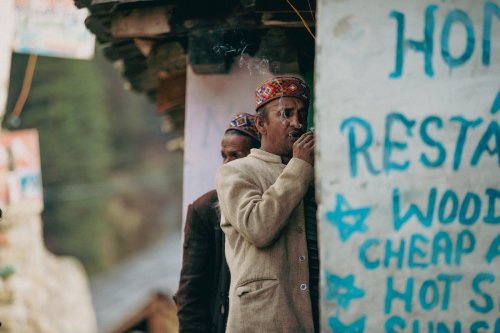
(202, 300)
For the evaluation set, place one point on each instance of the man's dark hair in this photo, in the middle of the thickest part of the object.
(254, 143)
(261, 112)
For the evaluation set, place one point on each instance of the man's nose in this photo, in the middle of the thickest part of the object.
(295, 121)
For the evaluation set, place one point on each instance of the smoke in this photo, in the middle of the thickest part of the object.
(255, 65)
(231, 50)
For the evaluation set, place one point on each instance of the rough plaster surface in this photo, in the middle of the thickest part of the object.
(355, 95)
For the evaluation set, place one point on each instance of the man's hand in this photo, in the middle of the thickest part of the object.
(303, 148)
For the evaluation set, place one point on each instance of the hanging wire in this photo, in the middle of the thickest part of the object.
(302, 19)
(25, 90)
(311, 11)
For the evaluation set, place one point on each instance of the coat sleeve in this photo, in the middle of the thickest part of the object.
(193, 295)
(260, 216)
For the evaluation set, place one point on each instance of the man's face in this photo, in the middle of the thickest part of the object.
(234, 146)
(285, 121)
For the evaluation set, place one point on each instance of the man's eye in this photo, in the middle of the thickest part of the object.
(285, 113)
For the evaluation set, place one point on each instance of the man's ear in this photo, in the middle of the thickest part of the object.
(259, 124)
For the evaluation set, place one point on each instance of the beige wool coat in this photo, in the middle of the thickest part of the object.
(263, 221)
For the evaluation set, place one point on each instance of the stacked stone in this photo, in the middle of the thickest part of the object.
(39, 292)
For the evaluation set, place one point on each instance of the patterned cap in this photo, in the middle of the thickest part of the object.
(244, 123)
(281, 86)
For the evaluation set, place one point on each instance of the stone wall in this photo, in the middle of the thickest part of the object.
(45, 294)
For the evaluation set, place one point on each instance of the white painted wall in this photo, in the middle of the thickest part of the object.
(356, 54)
(211, 100)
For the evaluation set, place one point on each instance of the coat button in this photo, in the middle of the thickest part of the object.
(303, 286)
(302, 259)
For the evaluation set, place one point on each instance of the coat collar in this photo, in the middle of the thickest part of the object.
(265, 156)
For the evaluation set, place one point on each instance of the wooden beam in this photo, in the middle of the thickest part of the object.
(283, 6)
(171, 93)
(277, 47)
(140, 22)
(144, 45)
(204, 55)
(286, 20)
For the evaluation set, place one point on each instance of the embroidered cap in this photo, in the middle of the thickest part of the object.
(281, 86)
(244, 123)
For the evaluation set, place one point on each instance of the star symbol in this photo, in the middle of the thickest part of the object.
(342, 290)
(337, 326)
(344, 211)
